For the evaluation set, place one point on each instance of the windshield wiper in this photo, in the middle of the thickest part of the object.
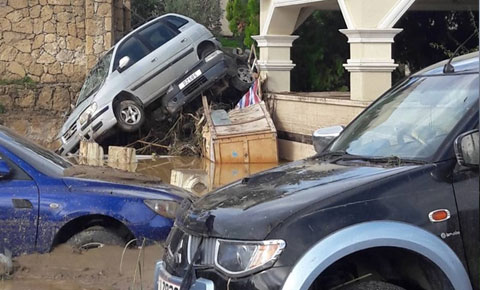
(393, 160)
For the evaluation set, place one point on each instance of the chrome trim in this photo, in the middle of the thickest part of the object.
(161, 272)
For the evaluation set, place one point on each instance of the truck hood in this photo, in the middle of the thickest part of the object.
(252, 207)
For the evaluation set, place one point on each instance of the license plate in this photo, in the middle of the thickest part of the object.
(165, 285)
(189, 79)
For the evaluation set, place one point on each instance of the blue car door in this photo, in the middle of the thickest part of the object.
(18, 210)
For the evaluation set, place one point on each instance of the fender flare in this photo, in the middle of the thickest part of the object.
(376, 234)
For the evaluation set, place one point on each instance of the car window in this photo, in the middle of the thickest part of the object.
(157, 34)
(177, 22)
(134, 49)
(96, 77)
(16, 173)
(413, 120)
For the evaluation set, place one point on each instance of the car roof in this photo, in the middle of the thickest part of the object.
(467, 63)
(148, 23)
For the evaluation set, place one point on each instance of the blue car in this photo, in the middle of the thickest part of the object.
(40, 207)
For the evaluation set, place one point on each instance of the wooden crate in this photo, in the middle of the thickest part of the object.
(250, 138)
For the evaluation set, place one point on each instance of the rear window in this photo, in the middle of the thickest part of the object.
(176, 21)
(157, 34)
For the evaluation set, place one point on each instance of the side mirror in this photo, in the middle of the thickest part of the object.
(4, 169)
(323, 136)
(466, 149)
(123, 63)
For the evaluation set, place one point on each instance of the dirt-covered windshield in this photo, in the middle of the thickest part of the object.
(96, 77)
(413, 120)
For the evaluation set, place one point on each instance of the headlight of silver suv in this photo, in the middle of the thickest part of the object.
(87, 114)
(237, 258)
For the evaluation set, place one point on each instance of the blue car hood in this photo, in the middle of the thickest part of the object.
(150, 191)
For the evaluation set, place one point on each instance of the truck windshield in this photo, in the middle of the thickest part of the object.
(411, 121)
(96, 77)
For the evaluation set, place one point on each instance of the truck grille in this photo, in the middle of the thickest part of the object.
(207, 254)
(195, 85)
(70, 132)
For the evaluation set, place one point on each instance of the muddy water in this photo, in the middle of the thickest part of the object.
(197, 174)
(65, 269)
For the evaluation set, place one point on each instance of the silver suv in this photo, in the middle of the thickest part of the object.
(133, 74)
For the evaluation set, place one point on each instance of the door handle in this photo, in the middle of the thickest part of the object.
(183, 40)
(22, 203)
(154, 59)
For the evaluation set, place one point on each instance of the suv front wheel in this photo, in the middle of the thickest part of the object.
(130, 115)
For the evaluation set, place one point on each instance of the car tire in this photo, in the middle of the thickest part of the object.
(95, 237)
(130, 115)
(243, 79)
(372, 285)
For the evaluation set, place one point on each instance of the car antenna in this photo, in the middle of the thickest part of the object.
(448, 68)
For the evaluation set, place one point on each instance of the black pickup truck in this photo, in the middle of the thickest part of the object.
(391, 203)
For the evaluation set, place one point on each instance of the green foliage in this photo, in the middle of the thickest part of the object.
(206, 12)
(143, 10)
(244, 19)
(319, 54)
(25, 81)
(229, 42)
(253, 24)
(429, 37)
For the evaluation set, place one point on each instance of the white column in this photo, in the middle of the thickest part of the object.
(370, 64)
(275, 60)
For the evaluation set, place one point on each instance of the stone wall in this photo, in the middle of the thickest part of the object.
(54, 41)
(37, 111)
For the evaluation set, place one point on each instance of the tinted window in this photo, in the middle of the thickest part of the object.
(132, 48)
(177, 22)
(413, 120)
(40, 158)
(157, 34)
(16, 173)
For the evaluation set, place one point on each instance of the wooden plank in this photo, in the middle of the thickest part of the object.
(260, 125)
(263, 150)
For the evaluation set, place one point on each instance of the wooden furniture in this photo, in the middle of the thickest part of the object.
(248, 136)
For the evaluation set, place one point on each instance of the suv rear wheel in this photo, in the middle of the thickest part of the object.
(130, 115)
(243, 78)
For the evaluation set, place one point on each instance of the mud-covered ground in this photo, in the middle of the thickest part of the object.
(66, 269)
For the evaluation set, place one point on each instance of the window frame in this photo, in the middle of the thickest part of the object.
(16, 172)
(116, 62)
(165, 24)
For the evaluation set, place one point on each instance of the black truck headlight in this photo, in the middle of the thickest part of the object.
(166, 208)
(237, 258)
